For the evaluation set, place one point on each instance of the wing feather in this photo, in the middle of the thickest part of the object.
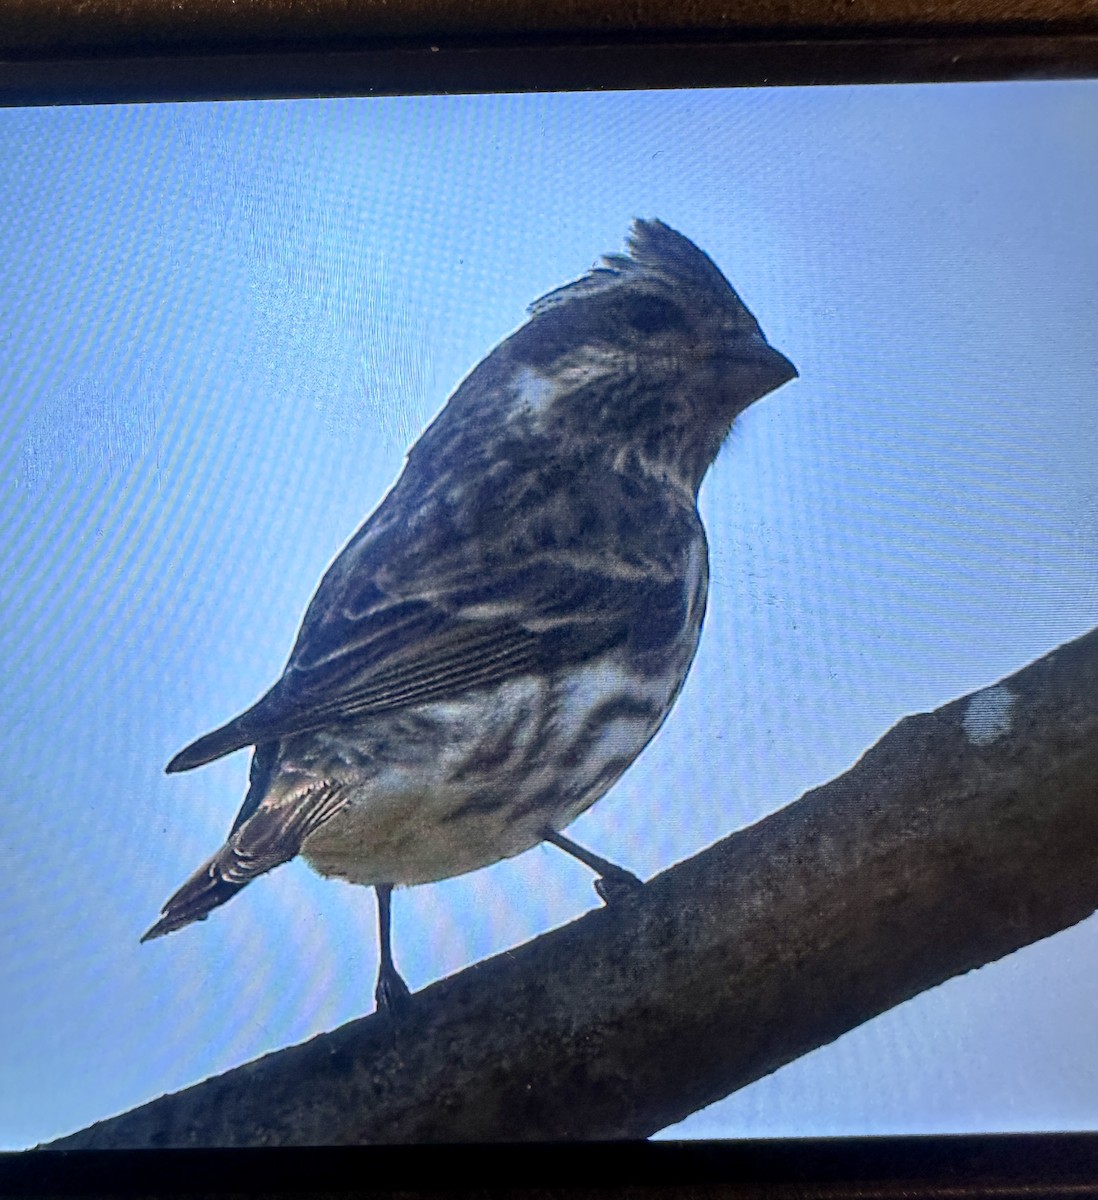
(383, 633)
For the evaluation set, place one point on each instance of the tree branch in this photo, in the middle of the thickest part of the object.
(961, 836)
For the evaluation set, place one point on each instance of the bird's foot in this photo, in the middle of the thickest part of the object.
(617, 886)
(393, 996)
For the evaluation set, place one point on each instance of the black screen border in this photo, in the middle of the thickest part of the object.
(916, 1168)
(545, 65)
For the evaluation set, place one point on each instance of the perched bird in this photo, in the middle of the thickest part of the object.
(512, 624)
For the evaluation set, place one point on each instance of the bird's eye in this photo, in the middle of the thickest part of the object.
(653, 314)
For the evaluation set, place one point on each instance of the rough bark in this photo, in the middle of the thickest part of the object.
(961, 836)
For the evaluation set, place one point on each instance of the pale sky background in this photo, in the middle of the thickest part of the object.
(220, 328)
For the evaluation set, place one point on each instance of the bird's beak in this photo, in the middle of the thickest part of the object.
(766, 370)
(753, 370)
(777, 368)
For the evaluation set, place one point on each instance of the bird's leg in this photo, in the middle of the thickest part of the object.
(614, 883)
(392, 993)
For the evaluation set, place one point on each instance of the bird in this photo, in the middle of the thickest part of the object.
(514, 621)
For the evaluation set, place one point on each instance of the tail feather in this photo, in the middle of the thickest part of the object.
(206, 890)
(271, 835)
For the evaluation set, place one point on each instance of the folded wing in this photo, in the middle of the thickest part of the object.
(378, 638)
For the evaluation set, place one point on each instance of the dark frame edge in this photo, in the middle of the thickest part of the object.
(557, 65)
(1049, 1165)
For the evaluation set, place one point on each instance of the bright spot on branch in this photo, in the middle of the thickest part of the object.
(988, 715)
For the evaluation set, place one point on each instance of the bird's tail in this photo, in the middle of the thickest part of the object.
(270, 835)
(208, 888)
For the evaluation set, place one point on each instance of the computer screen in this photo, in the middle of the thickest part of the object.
(224, 325)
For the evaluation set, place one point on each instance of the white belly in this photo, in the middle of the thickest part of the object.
(456, 786)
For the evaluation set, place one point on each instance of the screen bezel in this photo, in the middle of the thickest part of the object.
(111, 76)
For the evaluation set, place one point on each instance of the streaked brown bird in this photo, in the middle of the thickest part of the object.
(512, 624)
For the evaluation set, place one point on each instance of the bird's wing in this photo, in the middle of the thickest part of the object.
(380, 636)
(475, 628)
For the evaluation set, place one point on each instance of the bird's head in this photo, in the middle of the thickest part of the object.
(645, 361)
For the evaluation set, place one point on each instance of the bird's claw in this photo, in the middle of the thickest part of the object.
(617, 886)
(393, 996)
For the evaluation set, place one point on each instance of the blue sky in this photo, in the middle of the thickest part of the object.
(220, 328)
